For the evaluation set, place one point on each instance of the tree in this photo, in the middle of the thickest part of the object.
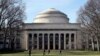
(89, 17)
(11, 20)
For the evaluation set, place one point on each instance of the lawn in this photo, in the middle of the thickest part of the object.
(55, 53)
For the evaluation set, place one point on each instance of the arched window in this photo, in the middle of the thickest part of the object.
(35, 36)
(45, 35)
(51, 40)
(35, 41)
(30, 36)
(56, 40)
(62, 36)
(45, 41)
(56, 36)
(67, 38)
(40, 34)
(72, 37)
(51, 35)
(40, 40)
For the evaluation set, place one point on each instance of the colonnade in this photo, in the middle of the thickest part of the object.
(52, 41)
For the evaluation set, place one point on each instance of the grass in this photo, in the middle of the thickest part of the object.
(54, 53)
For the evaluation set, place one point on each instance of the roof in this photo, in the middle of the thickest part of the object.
(51, 16)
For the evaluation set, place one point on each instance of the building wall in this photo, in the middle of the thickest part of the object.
(24, 40)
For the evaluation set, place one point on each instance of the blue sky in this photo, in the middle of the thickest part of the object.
(69, 7)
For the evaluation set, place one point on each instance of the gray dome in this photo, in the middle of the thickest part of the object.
(51, 16)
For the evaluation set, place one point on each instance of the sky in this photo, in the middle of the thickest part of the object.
(69, 7)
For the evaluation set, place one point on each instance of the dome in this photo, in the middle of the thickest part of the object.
(51, 16)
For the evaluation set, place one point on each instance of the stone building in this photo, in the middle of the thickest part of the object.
(51, 29)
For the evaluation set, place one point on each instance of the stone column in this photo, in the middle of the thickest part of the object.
(74, 40)
(43, 41)
(69, 41)
(54, 41)
(64, 41)
(37, 41)
(48, 41)
(59, 42)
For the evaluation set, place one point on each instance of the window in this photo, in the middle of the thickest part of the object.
(56, 37)
(67, 38)
(29, 40)
(35, 37)
(72, 37)
(40, 41)
(56, 40)
(46, 41)
(62, 36)
(51, 37)
(51, 40)
(40, 37)
(30, 36)
(35, 41)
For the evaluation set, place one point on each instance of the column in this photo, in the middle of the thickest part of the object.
(32, 42)
(37, 41)
(59, 42)
(74, 41)
(43, 41)
(64, 41)
(48, 42)
(54, 41)
(69, 41)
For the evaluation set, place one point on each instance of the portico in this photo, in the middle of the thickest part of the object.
(52, 40)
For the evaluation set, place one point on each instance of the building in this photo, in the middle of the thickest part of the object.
(51, 29)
